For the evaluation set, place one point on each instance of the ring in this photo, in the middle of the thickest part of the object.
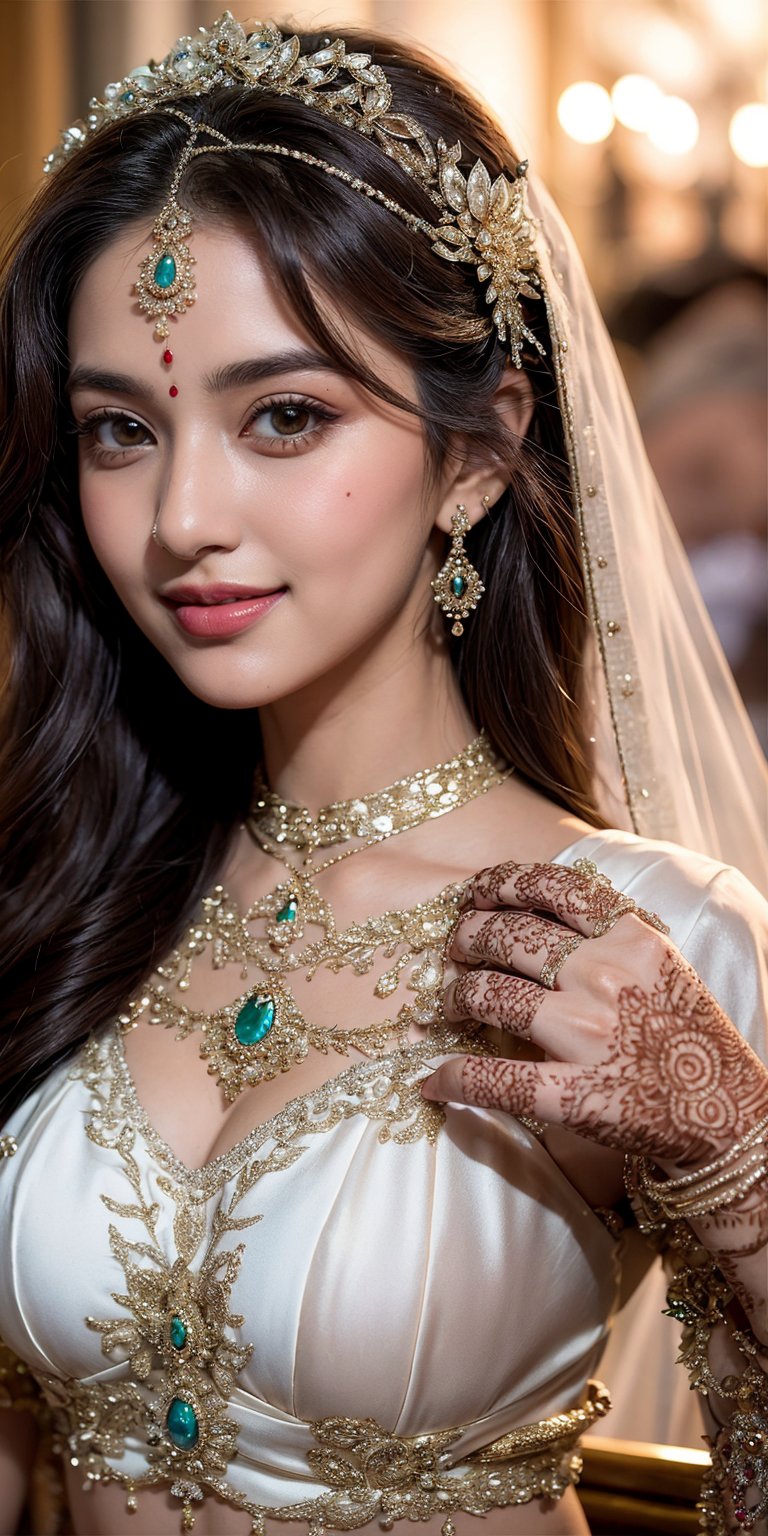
(624, 903)
(551, 967)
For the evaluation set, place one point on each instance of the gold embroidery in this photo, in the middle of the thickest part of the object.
(177, 1331)
(368, 1472)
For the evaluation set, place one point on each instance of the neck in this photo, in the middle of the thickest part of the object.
(392, 712)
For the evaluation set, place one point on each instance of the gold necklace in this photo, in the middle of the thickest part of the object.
(262, 1032)
(407, 803)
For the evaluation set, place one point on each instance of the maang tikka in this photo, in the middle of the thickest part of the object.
(457, 586)
(480, 220)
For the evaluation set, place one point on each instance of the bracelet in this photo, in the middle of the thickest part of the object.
(714, 1187)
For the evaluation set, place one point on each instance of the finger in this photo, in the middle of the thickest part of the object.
(517, 1087)
(516, 941)
(559, 1092)
(580, 897)
(490, 997)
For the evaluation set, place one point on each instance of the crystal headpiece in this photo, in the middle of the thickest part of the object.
(481, 222)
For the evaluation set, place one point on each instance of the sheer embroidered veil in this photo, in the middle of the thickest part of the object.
(676, 755)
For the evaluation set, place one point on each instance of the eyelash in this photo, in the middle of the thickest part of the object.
(103, 455)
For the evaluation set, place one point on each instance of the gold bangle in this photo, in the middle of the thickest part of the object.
(716, 1186)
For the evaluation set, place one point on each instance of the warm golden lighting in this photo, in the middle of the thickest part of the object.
(748, 133)
(585, 113)
(675, 126)
(635, 100)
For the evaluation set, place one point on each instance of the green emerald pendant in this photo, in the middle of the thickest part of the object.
(457, 585)
(164, 275)
(181, 1423)
(287, 914)
(255, 1019)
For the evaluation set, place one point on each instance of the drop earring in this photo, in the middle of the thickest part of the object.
(457, 587)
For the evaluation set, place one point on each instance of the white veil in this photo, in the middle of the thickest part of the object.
(675, 754)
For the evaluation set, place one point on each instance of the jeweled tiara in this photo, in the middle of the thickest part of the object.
(482, 222)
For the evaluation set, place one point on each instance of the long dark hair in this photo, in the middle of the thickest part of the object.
(119, 791)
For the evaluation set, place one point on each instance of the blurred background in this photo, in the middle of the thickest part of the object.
(648, 119)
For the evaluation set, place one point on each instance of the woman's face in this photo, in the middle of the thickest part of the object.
(293, 527)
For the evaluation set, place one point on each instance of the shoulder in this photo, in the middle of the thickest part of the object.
(716, 917)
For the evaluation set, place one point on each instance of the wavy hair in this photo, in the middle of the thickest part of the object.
(120, 791)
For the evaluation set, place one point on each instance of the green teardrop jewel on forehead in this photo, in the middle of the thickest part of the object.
(164, 275)
(165, 285)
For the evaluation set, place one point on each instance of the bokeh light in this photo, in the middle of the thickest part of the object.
(748, 133)
(585, 112)
(635, 100)
(675, 126)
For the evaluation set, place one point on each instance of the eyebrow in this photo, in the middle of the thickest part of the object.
(233, 376)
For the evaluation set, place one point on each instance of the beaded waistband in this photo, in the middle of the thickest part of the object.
(356, 1470)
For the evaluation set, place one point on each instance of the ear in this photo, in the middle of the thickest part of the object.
(477, 485)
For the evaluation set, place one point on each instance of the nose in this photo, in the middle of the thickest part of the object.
(196, 507)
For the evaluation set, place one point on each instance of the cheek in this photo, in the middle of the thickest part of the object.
(116, 535)
(370, 522)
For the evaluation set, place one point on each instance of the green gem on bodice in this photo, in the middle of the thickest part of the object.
(255, 1019)
(287, 914)
(164, 275)
(181, 1423)
(458, 585)
(178, 1332)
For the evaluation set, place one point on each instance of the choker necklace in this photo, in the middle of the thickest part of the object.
(262, 1032)
(407, 803)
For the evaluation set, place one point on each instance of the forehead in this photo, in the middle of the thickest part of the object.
(239, 310)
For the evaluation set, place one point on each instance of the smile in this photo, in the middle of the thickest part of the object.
(214, 613)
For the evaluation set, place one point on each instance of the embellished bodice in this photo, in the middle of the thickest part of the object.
(363, 1282)
(357, 1256)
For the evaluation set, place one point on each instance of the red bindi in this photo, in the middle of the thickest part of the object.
(168, 357)
(173, 391)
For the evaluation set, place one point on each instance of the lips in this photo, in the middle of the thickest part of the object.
(218, 611)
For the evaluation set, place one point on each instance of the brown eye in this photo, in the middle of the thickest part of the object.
(121, 432)
(289, 420)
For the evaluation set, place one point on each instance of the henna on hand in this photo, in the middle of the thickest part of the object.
(664, 1073)
(582, 901)
(497, 1085)
(490, 997)
(515, 940)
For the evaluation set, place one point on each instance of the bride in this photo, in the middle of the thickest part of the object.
(375, 957)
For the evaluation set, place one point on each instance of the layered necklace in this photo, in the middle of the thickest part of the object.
(292, 931)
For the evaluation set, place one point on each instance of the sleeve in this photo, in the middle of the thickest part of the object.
(728, 946)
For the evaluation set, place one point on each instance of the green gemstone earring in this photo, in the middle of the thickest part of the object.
(457, 587)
